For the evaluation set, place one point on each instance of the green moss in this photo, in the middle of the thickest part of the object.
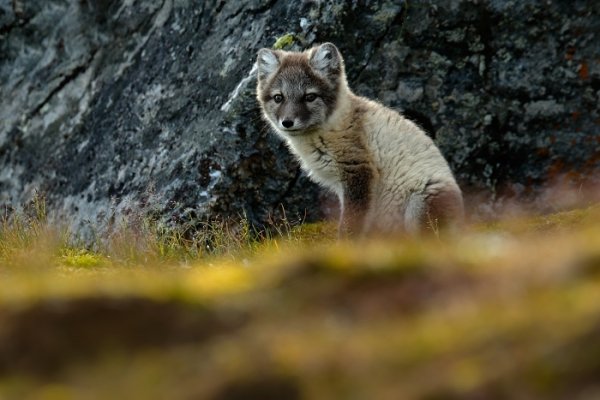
(284, 41)
(81, 258)
(512, 307)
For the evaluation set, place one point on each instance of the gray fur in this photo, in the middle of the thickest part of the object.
(326, 60)
(267, 62)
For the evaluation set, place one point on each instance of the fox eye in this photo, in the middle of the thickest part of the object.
(310, 97)
(278, 98)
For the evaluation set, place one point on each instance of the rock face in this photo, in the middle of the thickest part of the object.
(117, 106)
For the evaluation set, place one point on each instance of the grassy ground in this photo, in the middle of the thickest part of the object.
(509, 310)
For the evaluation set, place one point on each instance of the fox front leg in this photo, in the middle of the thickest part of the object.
(357, 195)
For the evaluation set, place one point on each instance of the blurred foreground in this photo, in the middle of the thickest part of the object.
(509, 310)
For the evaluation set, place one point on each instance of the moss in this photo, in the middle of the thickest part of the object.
(284, 41)
(512, 308)
(81, 258)
(221, 281)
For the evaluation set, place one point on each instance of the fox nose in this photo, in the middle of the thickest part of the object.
(287, 123)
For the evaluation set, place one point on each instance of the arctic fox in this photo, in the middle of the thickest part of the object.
(388, 174)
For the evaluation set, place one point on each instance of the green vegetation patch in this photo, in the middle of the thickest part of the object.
(284, 41)
(81, 258)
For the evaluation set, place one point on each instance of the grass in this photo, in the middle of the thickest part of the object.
(509, 309)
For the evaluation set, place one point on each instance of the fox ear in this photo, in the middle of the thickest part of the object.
(267, 62)
(326, 60)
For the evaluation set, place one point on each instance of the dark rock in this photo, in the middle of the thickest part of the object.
(109, 106)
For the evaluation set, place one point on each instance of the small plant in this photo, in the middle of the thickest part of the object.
(26, 238)
(81, 258)
(284, 41)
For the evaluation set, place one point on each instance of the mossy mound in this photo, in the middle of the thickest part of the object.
(511, 311)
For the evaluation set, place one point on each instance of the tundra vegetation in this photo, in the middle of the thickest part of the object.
(507, 309)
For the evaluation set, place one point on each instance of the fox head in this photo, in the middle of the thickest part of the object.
(298, 92)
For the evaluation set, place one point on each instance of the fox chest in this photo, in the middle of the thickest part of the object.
(321, 166)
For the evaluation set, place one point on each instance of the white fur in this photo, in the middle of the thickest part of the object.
(324, 58)
(405, 157)
(407, 167)
(407, 160)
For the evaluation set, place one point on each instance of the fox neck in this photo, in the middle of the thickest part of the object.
(315, 148)
(337, 119)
